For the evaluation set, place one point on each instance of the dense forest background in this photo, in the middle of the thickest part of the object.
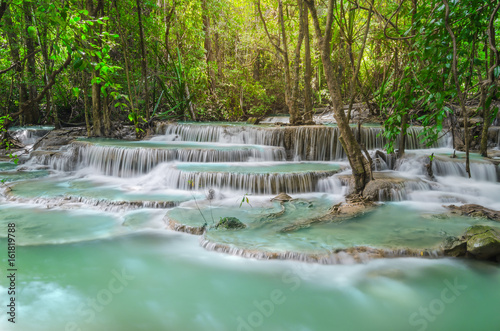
(102, 62)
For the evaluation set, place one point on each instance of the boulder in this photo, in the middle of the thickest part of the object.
(455, 247)
(375, 189)
(483, 242)
(230, 223)
(479, 241)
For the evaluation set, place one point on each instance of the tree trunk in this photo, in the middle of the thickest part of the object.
(210, 57)
(461, 96)
(359, 164)
(87, 104)
(96, 87)
(356, 67)
(295, 116)
(402, 135)
(489, 89)
(19, 68)
(308, 94)
(106, 118)
(131, 97)
(144, 64)
(32, 113)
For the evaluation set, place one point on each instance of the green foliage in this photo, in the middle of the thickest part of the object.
(174, 89)
(244, 76)
(425, 89)
(245, 199)
(5, 141)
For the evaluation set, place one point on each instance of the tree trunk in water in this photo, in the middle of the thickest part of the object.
(86, 102)
(460, 95)
(359, 164)
(490, 89)
(402, 135)
(286, 65)
(96, 87)
(96, 107)
(483, 149)
(131, 97)
(190, 106)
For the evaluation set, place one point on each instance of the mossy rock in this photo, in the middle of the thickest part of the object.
(477, 229)
(483, 242)
(455, 247)
(253, 120)
(230, 223)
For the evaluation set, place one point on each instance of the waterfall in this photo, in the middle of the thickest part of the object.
(479, 170)
(352, 255)
(235, 134)
(29, 135)
(311, 143)
(121, 161)
(256, 183)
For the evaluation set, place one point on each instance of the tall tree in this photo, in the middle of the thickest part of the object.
(360, 166)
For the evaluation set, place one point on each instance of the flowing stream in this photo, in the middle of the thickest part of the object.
(101, 243)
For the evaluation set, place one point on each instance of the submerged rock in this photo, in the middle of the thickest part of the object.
(282, 197)
(479, 241)
(354, 206)
(230, 223)
(473, 210)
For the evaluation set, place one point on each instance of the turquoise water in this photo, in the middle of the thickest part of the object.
(261, 167)
(56, 188)
(163, 281)
(383, 228)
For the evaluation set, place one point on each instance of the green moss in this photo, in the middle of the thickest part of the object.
(230, 223)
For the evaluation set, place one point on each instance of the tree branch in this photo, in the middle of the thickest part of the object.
(50, 82)
(491, 43)
(18, 63)
(267, 32)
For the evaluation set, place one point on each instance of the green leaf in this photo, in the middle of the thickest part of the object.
(76, 91)
(32, 31)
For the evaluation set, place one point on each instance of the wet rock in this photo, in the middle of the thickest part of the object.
(483, 242)
(57, 138)
(455, 247)
(479, 242)
(473, 210)
(230, 223)
(375, 189)
(283, 197)
(253, 120)
(354, 206)
(176, 226)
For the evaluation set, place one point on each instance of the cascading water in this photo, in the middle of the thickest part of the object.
(30, 134)
(311, 143)
(114, 158)
(103, 212)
